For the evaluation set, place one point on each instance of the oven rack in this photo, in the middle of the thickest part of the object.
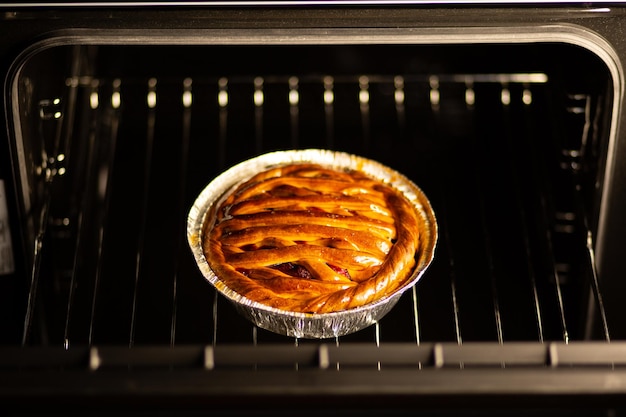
(518, 376)
(122, 124)
(325, 356)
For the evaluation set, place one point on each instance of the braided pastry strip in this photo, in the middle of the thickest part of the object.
(305, 238)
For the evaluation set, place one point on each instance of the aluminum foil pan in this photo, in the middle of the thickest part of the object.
(296, 324)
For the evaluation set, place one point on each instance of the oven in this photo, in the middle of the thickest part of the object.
(508, 115)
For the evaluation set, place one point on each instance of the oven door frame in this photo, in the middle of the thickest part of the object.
(95, 371)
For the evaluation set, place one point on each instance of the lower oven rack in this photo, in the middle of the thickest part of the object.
(431, 376)
(117, 309)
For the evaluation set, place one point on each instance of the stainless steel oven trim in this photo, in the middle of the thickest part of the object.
(557, 33)
(318, 3)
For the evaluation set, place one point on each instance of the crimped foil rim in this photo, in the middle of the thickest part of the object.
(219, 187)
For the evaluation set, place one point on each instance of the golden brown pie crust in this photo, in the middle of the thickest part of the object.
(306, 238)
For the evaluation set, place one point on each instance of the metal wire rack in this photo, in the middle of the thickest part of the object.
(514, 262)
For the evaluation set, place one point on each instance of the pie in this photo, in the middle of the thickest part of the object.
(311, 239)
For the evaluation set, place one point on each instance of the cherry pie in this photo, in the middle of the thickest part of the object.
(310, 239)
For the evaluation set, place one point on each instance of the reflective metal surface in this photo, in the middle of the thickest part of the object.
(305, 325)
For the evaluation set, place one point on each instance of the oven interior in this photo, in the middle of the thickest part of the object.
(113, 143)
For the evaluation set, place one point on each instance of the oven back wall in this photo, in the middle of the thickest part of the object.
(138, 131)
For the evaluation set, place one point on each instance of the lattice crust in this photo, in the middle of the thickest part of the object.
(310, 239)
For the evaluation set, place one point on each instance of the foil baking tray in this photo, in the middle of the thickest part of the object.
(308, 325)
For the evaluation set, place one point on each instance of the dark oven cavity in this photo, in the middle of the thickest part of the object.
(116, 141)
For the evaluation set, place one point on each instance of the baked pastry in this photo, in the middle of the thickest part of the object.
(310, 239)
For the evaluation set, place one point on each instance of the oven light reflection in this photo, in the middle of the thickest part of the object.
(538, 78)
(364, 95)
(152, 96)
(187, 95)
(116, 98)
(434, 97)
(258, 98)
(505, 96)
(94, 98)
(258, 92)
(434, 91)
(470, 97)
(527, 97)
(187, 99)
(222, 98)
(222, 95)
(529, 78)
(329, 96)
(152, 99)
(470, 94)
(94, 101)
(294, 96)
(398, 95)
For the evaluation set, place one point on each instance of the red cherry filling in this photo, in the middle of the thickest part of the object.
(293, 270)
(299, 271)
(342, 271)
